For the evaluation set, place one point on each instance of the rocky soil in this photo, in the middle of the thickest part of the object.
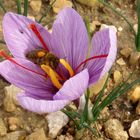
(118, 121)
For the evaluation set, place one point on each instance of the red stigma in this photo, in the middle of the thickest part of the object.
(16, 63)
(35, 30)
(91, 58)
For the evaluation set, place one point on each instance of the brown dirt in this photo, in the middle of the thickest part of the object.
(121, 109)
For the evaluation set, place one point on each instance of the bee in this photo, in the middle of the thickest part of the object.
(41, 57)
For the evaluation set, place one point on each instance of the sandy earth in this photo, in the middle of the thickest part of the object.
(29, 122)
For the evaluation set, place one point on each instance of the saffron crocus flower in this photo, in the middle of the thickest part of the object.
(52, 68)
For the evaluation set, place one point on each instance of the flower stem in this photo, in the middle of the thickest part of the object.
(25, 8)
(18, 6)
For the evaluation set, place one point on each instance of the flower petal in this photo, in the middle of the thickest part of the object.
(103, 42)
(19, 38)
(74, 87)
(41, 106)
(69, 36)
(25, 79)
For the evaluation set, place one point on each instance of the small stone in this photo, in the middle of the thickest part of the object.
(134, 95)
(117, 76)
(138, 109)
(134, 58)
(115, 130)
(135, 27)
(13, 127)
(3, 129)
(120, 29)
(10, 100)
(126, 52)
(90, 3)
(103, 26)
(97, 87)
(13, 123)
(31, 17)
(120, 62)
(37, 135)
(94, 25)
(17, 135)
(60, 4)
(134, 130)
(56, 121)
(65, 137)
(36, 5)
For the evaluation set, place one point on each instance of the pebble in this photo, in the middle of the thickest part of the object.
(90, 3)
(94, 25)
(56, 121)
(65, 137)
(138, 109)
(117, 76)
(37, 135)
(134, 95)
(13, 123)
(10, 100)
(120, 62)
(134, 130)
(36, 5)
(3, 129)
(103, 26)
(135, 27)
(115, 130)
(126, 51)
(134, 58)
(17, 135)
(60, 4)
(120, 29)
(31, 17)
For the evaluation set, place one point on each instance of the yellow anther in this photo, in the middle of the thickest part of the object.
(54, 79)
(40, 54)
(67, 66)
(47, 69)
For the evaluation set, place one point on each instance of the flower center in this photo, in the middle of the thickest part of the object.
(49, 63)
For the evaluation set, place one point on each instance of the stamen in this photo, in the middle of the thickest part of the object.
(67, 66)
(91, 58)
(35, 30)
(54, 79)
(16, 63)
(47, 70)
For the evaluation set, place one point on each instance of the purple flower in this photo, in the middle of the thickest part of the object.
(53, 83)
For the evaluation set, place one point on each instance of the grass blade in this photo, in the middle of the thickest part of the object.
(99, 97)
(18, 6)
(70, 115)
(2, 6)
(138, 33)
(120, 14)
(111, 97)
(87, 23)
(44, 15)
(25, 8)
